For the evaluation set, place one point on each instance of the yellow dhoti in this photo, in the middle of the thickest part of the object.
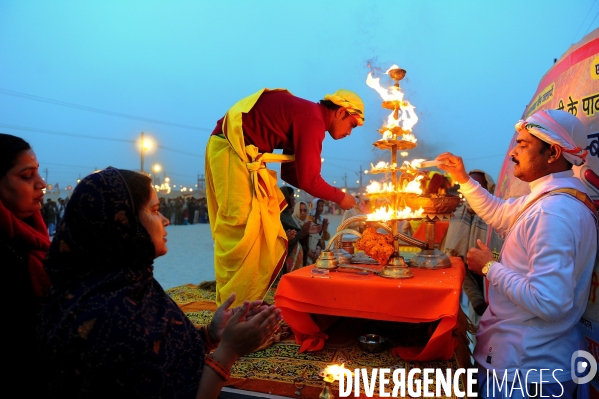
(244, 207)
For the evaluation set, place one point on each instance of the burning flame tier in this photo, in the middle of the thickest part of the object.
(402, 197)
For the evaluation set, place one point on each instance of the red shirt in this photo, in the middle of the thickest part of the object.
(282, 121)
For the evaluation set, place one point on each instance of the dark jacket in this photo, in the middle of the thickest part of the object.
(20, 313)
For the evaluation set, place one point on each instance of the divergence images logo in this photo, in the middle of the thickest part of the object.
(578, 367)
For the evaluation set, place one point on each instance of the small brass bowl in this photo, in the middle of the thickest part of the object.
(397, 73)
(372, 343)
(348, 246)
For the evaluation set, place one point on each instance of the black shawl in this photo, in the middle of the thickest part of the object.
(109, 329)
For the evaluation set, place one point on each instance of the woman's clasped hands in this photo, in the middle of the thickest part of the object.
(243, 329)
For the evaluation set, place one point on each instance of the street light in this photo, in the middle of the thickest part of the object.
(156, 168)
(145, 145)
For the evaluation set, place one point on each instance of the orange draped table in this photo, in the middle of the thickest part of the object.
(429, 296)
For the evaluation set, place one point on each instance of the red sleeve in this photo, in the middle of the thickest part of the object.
(304, 173)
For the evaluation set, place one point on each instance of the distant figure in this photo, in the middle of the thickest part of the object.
(203, 210)
(297, 233)
(318, 240)
(300, 215)
(60, 210)
(50, 213)
(196, 210)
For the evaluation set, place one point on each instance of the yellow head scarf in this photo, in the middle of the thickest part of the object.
(349, 100)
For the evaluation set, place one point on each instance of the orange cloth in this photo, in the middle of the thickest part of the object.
(430, 295)
(440, 230)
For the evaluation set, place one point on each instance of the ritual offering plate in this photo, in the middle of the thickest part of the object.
(363, 259)
(400, 145)
(433, 203)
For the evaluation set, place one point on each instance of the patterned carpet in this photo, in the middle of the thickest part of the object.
(280, 369)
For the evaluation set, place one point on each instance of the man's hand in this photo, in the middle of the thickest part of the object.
(454, 165)
(477, 258)
(347, 202)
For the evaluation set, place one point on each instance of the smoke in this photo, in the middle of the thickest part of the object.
(372, 64)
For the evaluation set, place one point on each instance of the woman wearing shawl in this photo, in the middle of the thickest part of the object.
(300, 214)
(295, 253)
(23, 244)
(298, 241)
(318, 240)
(109, 329)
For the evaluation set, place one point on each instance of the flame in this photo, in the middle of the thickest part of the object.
(387, 135)
(391, 94)
(391, 68)
(382, 165)
(408, 137)
(333, 372)
(377, 188)
(407, 186)
(385, 213)
(415, 164)
(413, 186)
(406, 116)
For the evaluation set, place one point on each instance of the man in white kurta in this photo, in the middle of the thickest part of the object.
(539, 287)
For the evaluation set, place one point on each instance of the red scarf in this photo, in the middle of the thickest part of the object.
(32, 234)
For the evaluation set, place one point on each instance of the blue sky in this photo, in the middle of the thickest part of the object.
(80, 80)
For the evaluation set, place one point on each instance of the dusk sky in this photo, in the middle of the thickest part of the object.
(80, 80)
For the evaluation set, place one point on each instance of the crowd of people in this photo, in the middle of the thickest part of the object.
(184, 210)
(96, 323)
(181, 210)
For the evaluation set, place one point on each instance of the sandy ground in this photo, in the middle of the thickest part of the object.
(190, 257)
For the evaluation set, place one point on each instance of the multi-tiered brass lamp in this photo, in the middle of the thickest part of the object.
(402, 197)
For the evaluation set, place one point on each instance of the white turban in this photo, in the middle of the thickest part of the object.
(557, 127)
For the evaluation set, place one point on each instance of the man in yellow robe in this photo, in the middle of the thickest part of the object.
(244, 201)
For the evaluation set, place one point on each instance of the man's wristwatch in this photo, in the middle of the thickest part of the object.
(487, 267)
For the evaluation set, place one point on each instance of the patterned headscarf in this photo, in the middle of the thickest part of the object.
(349, 100)
(557, 127)
(109, 329)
